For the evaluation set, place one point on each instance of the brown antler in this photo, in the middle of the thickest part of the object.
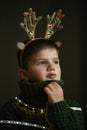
(53, 23)
(30, 23)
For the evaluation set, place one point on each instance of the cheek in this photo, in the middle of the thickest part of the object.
(36, 75)
(59, 71)
(35, 71)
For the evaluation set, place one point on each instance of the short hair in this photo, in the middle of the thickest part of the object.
(32, 48)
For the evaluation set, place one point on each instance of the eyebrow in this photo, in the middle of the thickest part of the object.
(35, 60)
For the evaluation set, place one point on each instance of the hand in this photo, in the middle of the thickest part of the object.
(54, 92)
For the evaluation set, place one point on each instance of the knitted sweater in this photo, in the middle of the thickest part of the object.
(17, 114)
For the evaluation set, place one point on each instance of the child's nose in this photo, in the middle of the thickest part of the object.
(51, 66)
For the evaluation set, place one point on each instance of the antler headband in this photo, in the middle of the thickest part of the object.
(31, 21)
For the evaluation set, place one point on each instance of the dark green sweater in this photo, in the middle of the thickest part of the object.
(64, 115)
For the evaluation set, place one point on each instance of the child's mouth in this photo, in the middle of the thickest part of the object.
(51, 76)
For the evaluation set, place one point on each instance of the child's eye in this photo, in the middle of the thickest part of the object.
(56, 62)
(41, 62)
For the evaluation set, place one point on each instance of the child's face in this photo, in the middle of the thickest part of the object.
(44, 65)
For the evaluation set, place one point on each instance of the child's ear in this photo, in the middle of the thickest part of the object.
(22, 74)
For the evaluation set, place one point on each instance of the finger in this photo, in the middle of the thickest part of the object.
(48, 89)
(50, 86)
(53, 86)
(56, 85)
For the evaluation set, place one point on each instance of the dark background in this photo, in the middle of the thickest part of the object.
(73, 53)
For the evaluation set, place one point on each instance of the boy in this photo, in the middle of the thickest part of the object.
(41, 103)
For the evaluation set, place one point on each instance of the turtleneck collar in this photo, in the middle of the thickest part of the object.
(32, 92)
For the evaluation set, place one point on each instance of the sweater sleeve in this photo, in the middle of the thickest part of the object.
(65, 116)
(7, 113)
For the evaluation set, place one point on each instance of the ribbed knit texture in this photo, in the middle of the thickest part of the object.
(32, 92)
(59, 115)
(64, 117)
(30, 89)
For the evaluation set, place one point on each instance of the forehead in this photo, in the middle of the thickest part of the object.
(46, 53)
